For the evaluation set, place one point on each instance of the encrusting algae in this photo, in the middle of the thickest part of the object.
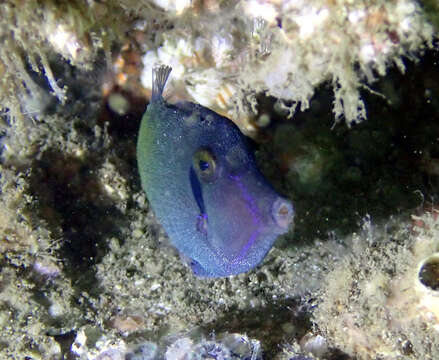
(86, 269)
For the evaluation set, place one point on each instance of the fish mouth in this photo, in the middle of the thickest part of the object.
(283, 213)
(249, 220)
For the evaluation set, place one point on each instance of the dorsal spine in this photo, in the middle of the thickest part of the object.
(160, 75)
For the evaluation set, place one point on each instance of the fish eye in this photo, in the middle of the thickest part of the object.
(204, 164)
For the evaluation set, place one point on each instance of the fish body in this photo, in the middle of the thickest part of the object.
(204, 187)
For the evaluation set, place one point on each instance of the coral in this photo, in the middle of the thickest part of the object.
(42, 183)
(285, 49)
(31, 36)
(16, 232)
(377, 302)
(224, 347)
(25, 318)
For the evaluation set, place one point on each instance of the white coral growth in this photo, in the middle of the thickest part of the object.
(287, 48)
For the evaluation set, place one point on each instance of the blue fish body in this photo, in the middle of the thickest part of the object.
(204, 187)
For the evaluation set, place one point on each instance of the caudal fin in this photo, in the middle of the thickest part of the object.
(160, 75)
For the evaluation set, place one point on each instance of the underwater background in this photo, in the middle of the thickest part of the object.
(340, 102)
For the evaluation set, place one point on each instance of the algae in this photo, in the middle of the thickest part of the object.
(87, 271)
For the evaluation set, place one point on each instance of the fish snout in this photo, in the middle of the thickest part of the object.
(282, 212)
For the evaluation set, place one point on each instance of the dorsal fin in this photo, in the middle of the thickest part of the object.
(160, 75)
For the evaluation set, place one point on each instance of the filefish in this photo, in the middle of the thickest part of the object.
(202, 183)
